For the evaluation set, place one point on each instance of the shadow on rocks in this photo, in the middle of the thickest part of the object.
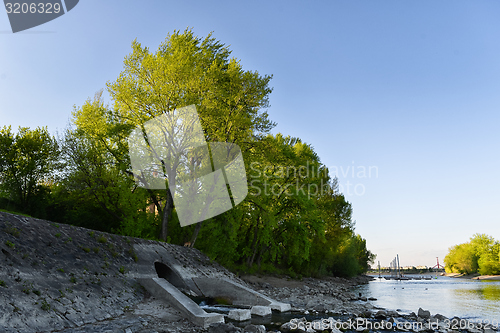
(230, 328)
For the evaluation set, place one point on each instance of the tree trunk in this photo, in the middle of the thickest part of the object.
(254, 244)
(167, 214)
(195, 233)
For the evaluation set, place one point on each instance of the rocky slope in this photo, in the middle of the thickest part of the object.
(57, 277)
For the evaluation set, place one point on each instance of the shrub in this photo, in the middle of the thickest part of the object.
(13, 231)
(45, 305)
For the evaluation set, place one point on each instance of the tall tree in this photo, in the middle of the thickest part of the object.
(97, 162)
(27, 159)
(188, 70)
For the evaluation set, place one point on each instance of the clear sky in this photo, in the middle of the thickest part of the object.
(409, 90)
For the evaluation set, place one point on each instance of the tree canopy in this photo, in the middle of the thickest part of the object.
(293, 220)
(480, 255)
(27, 160)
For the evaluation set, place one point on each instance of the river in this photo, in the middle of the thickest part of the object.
(464, 298)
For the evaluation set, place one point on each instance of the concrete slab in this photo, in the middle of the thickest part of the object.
(240, 314)
(162, 289)
(237, 293)
(261, 311)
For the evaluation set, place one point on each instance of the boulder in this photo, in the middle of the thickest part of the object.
(366, 314)
(260, 310)
(440, 317)
(320, 308)
(255, 329)
(424, 314)
(286, 327)
(239, 314)
(223, 328)
(392, 313)
(381, 314)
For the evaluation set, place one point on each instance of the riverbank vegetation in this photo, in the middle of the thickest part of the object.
(480, 255)
(294, 220)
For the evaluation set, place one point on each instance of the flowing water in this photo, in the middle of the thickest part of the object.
(477, 300)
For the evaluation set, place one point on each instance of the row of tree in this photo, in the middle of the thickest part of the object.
(480, 255)
(293, 219)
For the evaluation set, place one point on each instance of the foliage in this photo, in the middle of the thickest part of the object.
(479, 255)
(27, 160)
(293, 221)
(189, 70)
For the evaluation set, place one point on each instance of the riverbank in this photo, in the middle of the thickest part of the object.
(62, 278)
(473, 276)
(335, 305)
(57, 277)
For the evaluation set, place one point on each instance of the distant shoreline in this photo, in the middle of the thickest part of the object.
(375, 275)
(474, 276)
(452, 275)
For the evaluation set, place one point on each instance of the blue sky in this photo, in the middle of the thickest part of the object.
(409, 88)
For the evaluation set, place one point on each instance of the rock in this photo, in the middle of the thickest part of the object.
(296, 325)
(424, 314)
(381, 314)
(372, 299)
(261, 311)
(440, 317)
(474, 330)
(364, 299)
(223, 328)
(255, 329)
(239, 314)
(392, 313)
(286, 327)
(367, 314)
(320, 307)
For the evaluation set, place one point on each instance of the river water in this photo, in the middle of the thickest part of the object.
(464, 298)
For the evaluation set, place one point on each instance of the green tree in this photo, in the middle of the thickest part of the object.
(338, 251)
(285, 178)
(480, 254)
(188, 70)
(97, 171)
(28, 159)
(486, 249)
(461, 258)
(294, 217)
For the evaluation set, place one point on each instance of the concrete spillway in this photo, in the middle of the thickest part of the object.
(236, 293)
(172, 272)
(162, 289)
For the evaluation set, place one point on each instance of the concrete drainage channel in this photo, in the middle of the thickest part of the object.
(173, 286)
